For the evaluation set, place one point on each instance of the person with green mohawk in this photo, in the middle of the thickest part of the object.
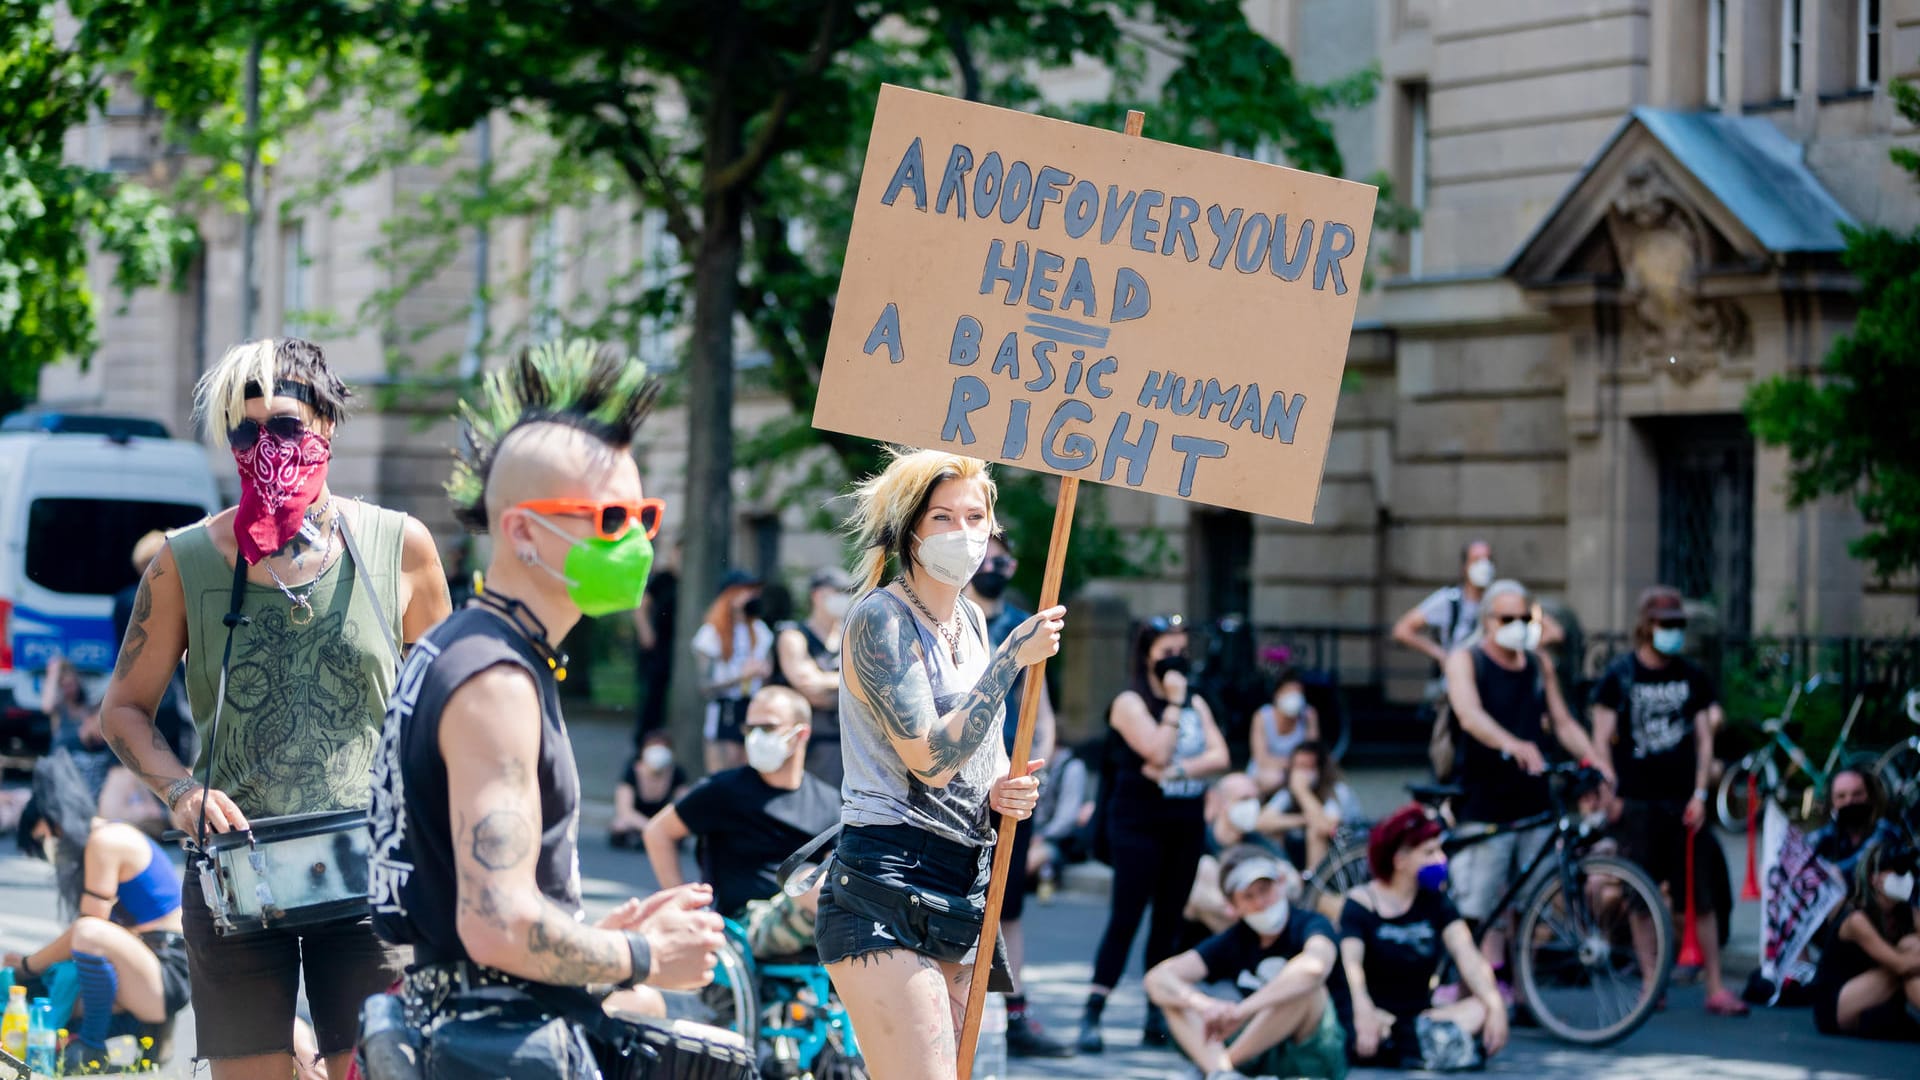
(476, 800)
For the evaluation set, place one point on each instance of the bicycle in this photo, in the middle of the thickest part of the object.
(1801, 786)
(1899, 767)
(785, 1008)
(1574, 949)
(1342, 869)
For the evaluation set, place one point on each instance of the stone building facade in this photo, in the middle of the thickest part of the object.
(1631, 211)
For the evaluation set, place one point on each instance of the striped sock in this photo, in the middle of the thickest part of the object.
(99, 985)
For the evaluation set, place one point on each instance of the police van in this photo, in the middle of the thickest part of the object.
(76, 492)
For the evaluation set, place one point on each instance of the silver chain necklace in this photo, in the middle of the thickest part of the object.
(953, 635)
(302, 600)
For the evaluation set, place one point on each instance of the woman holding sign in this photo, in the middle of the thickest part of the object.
(921, 700)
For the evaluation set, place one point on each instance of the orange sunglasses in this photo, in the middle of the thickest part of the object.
(611, 519)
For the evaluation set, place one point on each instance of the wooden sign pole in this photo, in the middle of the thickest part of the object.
(1022, 747)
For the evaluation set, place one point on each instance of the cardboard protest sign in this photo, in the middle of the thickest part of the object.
(1074, 301)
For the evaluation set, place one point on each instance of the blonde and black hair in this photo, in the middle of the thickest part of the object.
(576, 383)
(888, 505)
(220, 397)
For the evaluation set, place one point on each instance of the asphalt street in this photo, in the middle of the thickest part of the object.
(1681, 1042)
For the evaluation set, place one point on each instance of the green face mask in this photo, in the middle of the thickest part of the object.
(604, 576)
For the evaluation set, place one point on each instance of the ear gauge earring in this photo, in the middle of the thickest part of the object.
(528, 555)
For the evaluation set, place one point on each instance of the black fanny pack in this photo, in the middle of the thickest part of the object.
(936, 923)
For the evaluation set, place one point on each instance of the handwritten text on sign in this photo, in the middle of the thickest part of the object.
(1075, 301)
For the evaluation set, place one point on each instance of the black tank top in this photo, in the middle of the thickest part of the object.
(412, 884)
(826, 722)
(1498, 789)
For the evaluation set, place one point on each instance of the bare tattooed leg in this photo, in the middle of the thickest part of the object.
(902, 1011)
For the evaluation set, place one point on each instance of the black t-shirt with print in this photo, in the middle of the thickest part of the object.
(629, 775)
(747, 828)
(1402, 953)
(1236, 955)
(1654, 746)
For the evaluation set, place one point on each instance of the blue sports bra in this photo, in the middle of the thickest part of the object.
(154, 892)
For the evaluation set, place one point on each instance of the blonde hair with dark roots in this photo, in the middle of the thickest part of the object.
(220, 397)
(886, 506)
(577, 383)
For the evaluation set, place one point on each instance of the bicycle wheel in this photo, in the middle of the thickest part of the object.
(1594, 964)
(1899, 773)
(1343, 869)
(1731, 802)
(730, 1001)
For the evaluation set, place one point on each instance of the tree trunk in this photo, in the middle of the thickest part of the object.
(708, 504)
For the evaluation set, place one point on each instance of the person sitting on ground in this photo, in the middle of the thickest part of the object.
(1857, 812)
(749, 819)
(1868, 982)
(123, 895)
(1282, 962)
(1396, 929)
(647, 785)
(1233, 810)
(1309, 811)
(1279, 727)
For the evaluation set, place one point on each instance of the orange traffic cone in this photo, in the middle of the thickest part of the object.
(1690, 954)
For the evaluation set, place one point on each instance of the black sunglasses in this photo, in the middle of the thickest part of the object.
(1166, 624)
(1505, 619)
(999, 564)
(246, 435)
(1670, 624)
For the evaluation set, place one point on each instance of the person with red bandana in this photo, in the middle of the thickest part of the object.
(320, 579)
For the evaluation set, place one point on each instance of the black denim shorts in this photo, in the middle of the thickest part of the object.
(176, 985)
(897, 887)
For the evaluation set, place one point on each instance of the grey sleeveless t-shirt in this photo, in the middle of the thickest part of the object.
(878, 788)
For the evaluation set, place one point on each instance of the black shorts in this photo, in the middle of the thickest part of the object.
(726, 721)
(873, 902)
(1651, 834)
(245, 986)
(176, 987)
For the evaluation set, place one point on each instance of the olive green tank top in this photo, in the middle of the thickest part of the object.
(304, 702)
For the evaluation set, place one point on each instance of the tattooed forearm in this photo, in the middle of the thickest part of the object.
(136, 642)
(881, 652)
(567, 953)
(541, 941)
(980, 710)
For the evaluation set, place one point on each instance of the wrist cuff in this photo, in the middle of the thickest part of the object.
(640, 954)
(1700, 793)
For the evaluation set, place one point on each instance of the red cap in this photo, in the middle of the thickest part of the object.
(1408, 826)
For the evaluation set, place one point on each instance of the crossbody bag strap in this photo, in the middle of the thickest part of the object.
(794, 861)
(373, 593)
(232, 619)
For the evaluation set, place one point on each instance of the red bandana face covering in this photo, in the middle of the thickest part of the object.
(279, 479)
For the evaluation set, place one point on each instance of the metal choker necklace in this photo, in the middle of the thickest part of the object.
(529, 626)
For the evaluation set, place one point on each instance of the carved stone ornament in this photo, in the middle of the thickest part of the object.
(1662, 244)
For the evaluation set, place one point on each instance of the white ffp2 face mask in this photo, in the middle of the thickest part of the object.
(953, 557)
(1512, 635)
(1480, 573)
(768, 750)
(1244, 814)
(837, 605)
(657, 758)
(1293, 702)
(1897, 887)
(1270, 919)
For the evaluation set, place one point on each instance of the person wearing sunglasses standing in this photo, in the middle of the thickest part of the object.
(318, 579)
(476, 796)
(1508, 702)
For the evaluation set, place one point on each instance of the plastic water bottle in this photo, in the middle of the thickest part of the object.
(990, 1058)
(43, 1042)
(14, 1023)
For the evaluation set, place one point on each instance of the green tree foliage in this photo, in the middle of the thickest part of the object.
(54, 215)
(1854, 428)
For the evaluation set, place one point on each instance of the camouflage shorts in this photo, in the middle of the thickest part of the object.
(778, 927)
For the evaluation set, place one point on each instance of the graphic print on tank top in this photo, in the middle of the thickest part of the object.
(387, 870)
(1189, 743)
(308, 744)
(960, 805)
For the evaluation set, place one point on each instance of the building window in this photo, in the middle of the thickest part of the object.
(1716, 52)
(1706, 513)
(1869, 42)
(293, 277)
(1221, 580)
(1789, 49)
(1416, 170)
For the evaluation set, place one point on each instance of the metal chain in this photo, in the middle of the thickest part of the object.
(953, 635)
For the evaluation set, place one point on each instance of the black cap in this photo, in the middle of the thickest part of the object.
(831, 577)
(737, 577)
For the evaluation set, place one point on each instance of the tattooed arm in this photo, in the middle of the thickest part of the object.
(156, 639)
(881, 657)
(490, 740)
